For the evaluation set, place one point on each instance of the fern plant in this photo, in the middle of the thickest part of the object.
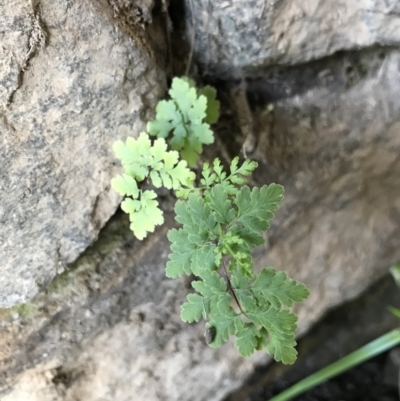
(222, 222)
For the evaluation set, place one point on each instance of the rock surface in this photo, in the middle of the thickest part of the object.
(108, 327)
(241, 38)
(71, 84)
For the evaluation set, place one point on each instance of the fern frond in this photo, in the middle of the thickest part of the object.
(186, 116)
(222, 221)
(143, 160)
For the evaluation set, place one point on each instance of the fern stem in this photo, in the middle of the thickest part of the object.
(231, 288)
(230, 250)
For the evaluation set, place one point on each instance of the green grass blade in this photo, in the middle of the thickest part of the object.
(395, 271)
(395, 311)
(381, 344)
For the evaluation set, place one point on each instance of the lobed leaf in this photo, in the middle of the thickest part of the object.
(275, 321)
(277, 289)
(144, 214)
(225, 326)
(245, 169)
(203, 260)
(224, 304)
(256, 206)
(215, 282)
(283, 349)
(221, 205)
(125, 185)
(247, 341)
(180, 176)
(183, 116)
(208, 176)
(180, 258)
(192, 310)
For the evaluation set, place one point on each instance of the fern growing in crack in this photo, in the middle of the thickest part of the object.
(222, 222)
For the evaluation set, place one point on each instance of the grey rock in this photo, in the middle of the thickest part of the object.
(241, 38)
(110, 327)
(72, 83)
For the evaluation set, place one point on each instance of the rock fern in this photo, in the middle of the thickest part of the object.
(222, 220)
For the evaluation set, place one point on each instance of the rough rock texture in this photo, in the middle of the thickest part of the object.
(108, 327)
(71, 83)
(117, 291)
(240, 38)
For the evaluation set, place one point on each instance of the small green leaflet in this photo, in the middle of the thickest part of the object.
(256, 206)
(144, 215)
(246, 341)
(192, 310)
(186, 116)
(125, 185)
(221, 205)
(212, 111)
(283, 349)
(225, 326)
(277, 289)
(141, 159)
(214, 174)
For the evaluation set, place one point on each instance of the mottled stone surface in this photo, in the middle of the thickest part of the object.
(71, 84)
(241, 38)
(109, 328)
